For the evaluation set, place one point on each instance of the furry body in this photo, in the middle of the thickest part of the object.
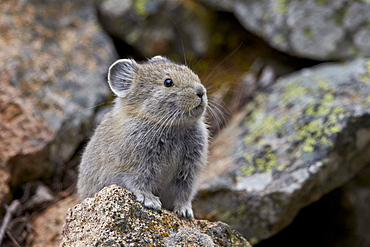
(154, 141)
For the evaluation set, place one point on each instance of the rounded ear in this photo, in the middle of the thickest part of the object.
(158, 58)
(120, 76)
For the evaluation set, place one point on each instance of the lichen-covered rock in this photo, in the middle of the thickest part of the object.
(54, 59)
(158, 27)
(315, 29)
(114, 218)
(306, 136)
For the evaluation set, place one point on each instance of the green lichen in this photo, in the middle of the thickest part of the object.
(308, 33)
(321, 2)
(249, 157)
(253, 240)
(246, 171)
(364, 78)
(279, 39)
(323, 84)
(328, 98)
(282, 6)
(338, 110)
(140, 7)
(367, 100)
(267, 161)
(267, 126)
(292, 90)
(314, 129)
(318, 132)
(338, 16)
(282, 167)
(317, 110)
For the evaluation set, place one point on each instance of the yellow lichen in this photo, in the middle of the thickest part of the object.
(267, 162)
(308, 33)
(281, 167)
(246, 171)
(365, 78)
(140, 8)
(317, 110)
(292, 90)
(322, 2)
(249, 157)
(282, 6)
(323, 84)
(253, 240)
(328, 98)
(338, 110)
(367, 100)
(279, 39)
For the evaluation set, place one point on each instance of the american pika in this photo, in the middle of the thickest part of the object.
(153, 141)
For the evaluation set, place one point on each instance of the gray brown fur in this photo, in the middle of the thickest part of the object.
(154, 140)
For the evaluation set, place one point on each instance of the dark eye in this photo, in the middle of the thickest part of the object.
(168, 83)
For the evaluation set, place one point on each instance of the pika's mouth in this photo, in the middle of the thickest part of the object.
(201, 106)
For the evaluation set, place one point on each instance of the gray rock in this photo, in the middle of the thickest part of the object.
(158, 27)
(304, 137)
(315, 29)
(114, 218)
(54, 60)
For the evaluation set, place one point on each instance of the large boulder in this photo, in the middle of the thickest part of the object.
(114, 218)
(158, 27)
(305, 136)
(54, 60)
(320, 30)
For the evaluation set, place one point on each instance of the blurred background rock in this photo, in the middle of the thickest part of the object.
(290, 167)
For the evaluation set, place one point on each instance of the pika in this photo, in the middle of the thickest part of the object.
(154, 140)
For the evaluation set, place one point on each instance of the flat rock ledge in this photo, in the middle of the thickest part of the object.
(114, 218)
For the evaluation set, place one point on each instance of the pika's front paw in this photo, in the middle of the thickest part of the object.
(184, 211)
(149, 200)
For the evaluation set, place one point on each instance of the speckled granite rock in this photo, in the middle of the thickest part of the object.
(114, 218)
(54, 60)
(158, 26)
(315, 29)
(304, 137)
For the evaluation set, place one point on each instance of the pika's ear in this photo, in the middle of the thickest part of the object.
(158, 58)
(120, 76)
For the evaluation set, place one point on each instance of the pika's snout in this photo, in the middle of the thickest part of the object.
(200, 91)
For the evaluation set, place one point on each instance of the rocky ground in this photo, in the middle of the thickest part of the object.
(288, 83)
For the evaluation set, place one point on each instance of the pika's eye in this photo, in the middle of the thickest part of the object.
(168, 83)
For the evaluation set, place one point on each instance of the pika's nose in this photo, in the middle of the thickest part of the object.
(200, 92)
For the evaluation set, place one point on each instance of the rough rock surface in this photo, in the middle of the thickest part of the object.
(315, 29)
(304, 137)
(157, 27)
(54, 59)
(114, 218)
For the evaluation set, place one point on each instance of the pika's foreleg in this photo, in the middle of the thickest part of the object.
(183, 187)
(143, 184)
